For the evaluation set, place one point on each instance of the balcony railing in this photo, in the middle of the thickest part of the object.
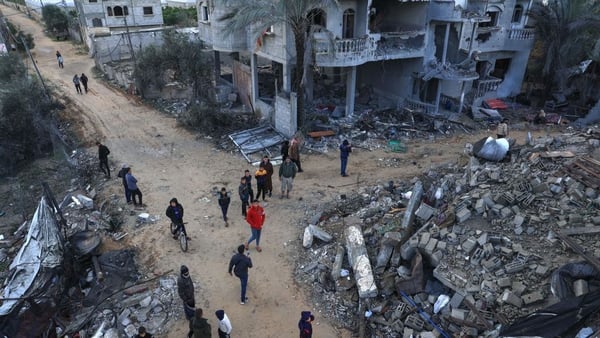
(521, 34)
(489, 84)
(418, 106)
(352, 52)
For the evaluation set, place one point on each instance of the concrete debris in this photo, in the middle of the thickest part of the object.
(482, 233)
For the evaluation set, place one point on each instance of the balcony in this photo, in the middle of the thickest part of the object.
(486, 85)
(374, 47)
(519, 39)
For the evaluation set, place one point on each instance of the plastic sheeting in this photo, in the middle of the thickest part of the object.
(491, 149)
(561, 283)
(42, 249)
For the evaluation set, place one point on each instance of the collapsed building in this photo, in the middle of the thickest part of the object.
(433, 57)
(474, 248)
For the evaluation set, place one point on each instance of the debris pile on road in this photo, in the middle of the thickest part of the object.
(463, 249)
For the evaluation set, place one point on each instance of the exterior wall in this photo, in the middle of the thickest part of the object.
(98, 10)
(276, 46)
(285, 121)
(115, 47)
(513, 79)
(392, 80)
(242, 81)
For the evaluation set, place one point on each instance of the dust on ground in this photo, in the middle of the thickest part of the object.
(169, 161)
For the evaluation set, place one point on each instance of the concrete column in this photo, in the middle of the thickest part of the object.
(438, 95)
(287, 77)
(350, 91)
(254, 73)
(359, 260)
(217, 66)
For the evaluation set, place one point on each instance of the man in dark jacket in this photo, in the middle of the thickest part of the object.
(224, 201)
(244, 193)
(305, 324)
(142, 333)
(175, 213)
(185, 289)
(248, 177)
(199, 326)
(103, 155)
(133, 188)
(240, 264)
(84, 81)
(345, 150)
(266, 163)
(124, 170)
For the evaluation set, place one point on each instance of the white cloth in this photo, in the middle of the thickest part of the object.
(225, 324)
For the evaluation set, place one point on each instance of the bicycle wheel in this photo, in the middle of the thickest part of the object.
(183, 243)
(173, 228)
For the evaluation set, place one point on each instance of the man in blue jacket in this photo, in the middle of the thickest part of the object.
(345, 150)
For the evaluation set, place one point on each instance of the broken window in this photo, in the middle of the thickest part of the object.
(148, 10)
(118, 10)
(203, 13)
(93, 1)
(348, 24)
(517, 14)
(109, 11)
(500, 68)
(493, 19)
(96, 22)
(317, 17)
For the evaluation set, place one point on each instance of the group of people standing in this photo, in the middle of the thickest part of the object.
(78, 80)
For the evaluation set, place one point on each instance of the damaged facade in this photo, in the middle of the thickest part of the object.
(432, 57)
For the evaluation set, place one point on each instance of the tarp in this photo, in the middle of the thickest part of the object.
(491, 149)
(561, 283)
(555, 320)
(41, 250)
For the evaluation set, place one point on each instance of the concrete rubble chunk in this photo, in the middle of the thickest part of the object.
(533, 297)
(359, 259)
(413, 204)
(510, 298)
(307, 238)
(87, 202)
(383, 257)
(337, 263)
(425, 212)
(392, 238)
(321, 234)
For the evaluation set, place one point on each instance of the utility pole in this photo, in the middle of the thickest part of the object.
(36, 68)
(130, 44)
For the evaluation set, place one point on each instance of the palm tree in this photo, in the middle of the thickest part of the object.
(296, 14)
(567, 30)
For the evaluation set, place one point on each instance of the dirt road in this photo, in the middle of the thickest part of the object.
(171, 162)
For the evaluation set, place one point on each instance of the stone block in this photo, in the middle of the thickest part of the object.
(510, 298)
(532, 297)
(425, 212)
(518, 220)
(580, 287)
(480, 206)
(463, 215)
(469, 245)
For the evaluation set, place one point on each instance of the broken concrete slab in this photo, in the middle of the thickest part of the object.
(359, 260)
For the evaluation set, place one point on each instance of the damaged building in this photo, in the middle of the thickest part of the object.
(433, 57)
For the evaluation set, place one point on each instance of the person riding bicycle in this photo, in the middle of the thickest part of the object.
(175, 213)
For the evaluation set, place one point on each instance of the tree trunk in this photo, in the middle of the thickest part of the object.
(297, 86)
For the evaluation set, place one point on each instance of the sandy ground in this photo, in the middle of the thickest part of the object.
(172, 162)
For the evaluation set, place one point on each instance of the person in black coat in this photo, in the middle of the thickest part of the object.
(103, 156)
(285, 150)
(240, 264)
(175, 213)
(224, 201)
(185, 289)
(124, 170)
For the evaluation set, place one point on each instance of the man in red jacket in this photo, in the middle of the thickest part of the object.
(256, 218)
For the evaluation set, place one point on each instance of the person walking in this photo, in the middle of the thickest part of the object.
(199, 326)
(305, 324)
(185, 289)
(295, 153)
(84, 82)
(122, 173)
(224, 201)
(77, 84)
(261, 182)
(285, 148)
(256, 219)
(133, 188)
(502, 130)
(345, 150)
(142, 333)
(244, 193)
(287, 173)
(266, 163)
(175, 214)
(248, 178)
(103, 153)
(240, 264)
(225, 327)
(59, 58)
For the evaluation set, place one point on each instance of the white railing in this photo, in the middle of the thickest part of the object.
(487, 85)
(521, 34)
(419, 107)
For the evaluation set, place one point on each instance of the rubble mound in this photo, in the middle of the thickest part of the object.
(465, 249)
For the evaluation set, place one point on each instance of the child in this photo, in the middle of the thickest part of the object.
(224, 201)
(305, 324)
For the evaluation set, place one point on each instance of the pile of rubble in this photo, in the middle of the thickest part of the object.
(464, 249)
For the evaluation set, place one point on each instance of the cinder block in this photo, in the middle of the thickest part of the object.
(431, 245)
(504, 282)
(510, 298)
(441, 245)
(533, 297)
(469, 245)
(456, 300)
(518, 220)
(480, 206)
(436, 258)
(463, 215)
(459, 314)
(506, 212)
(425, 236)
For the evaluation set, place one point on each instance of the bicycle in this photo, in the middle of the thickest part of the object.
(181, 235)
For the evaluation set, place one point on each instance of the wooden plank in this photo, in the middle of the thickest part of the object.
(581, 231)
(318, 134)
